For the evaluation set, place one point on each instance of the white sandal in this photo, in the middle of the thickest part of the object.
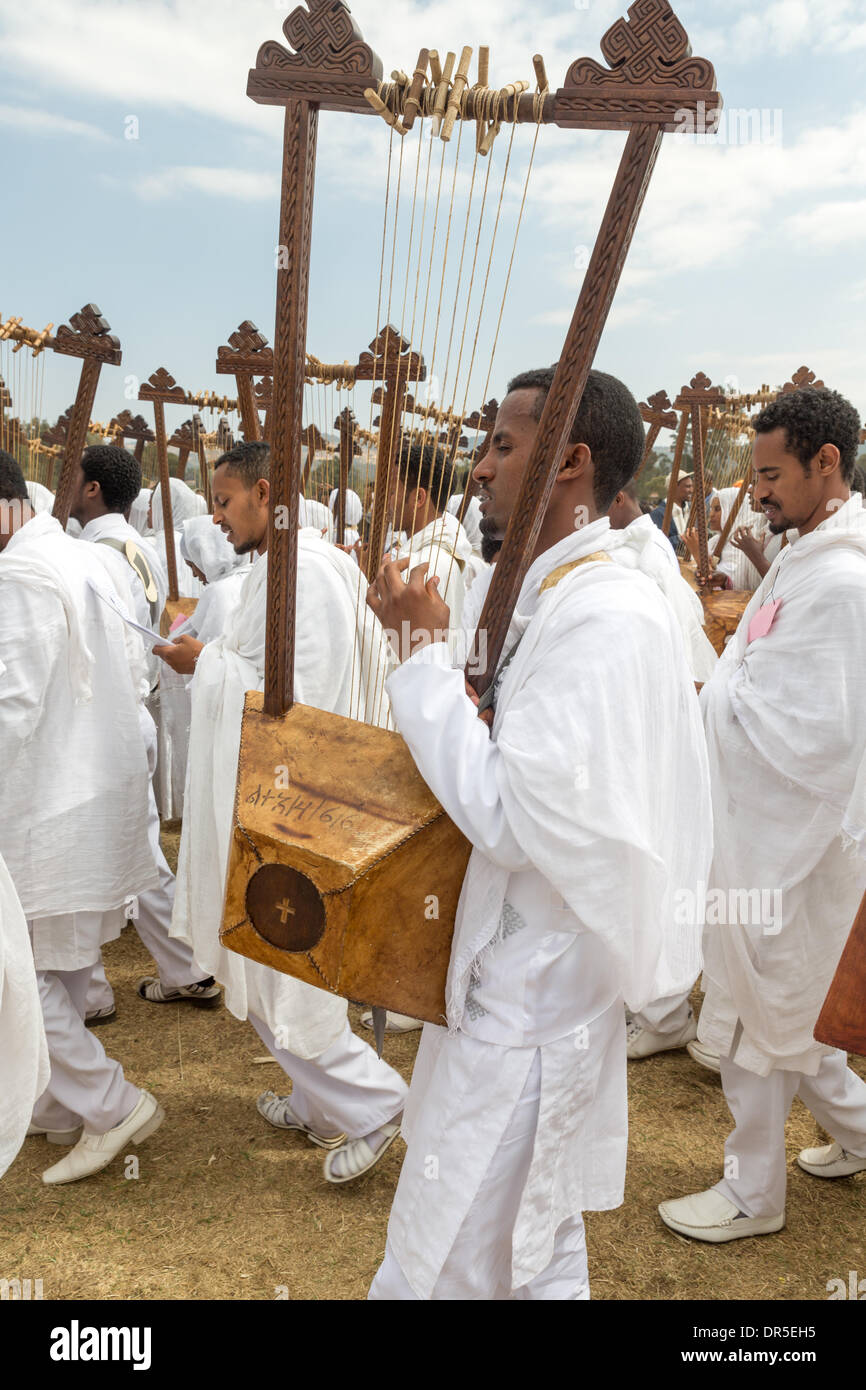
(359, 1156)
(278, 1112)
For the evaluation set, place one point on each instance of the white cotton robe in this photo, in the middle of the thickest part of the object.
(784, 723)
(653, 555)
(733, 562)
(41, 497)
(445, 546)
(73, 815)
(587, 808)
(22, 1035)
(205, 545)
(315, 514)
(354, 511)
(328, 664)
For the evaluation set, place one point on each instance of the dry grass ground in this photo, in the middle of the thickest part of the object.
(225, 1207)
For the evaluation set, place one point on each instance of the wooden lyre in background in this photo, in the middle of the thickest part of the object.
(327, 882)
(87, 337)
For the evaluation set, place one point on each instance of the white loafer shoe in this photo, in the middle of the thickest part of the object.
(93, 1152)
(711, 1217)
(704, 1056)
(57, 1136)
(830, 1161)
(357, 1156)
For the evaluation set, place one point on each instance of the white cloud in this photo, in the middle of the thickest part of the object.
(244, 184)
(36, 122)
(183, 54)
(830, 224)
(783, 26)
(712, 205)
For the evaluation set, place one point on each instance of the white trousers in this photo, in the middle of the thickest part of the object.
(478, 1266)
(175, 964)
(755, 1161)
(86, 1086)
(347, 1089)
(665, 1016)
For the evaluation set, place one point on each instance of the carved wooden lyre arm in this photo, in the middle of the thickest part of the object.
(329, 879)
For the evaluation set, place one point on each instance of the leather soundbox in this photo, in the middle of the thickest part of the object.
(354, 891)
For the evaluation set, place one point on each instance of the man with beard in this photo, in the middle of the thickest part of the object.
(784, 721)
(586, 804)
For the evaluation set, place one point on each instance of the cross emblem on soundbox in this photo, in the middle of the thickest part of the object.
(285, 907)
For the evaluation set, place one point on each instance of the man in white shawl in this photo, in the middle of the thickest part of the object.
(213, 562)
(354, 513)
(340, 1087)
(139, 512)
(587, 804)
(313, 514)
(733, 561)
(184, 504)
(469, 516)
(433, 534)
(105, 485)
(784, 723)
(73, 816)
(665, 1024)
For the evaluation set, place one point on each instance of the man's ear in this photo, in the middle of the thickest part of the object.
(418, 497)
(264, 491)
(577, 460)
(828, 458)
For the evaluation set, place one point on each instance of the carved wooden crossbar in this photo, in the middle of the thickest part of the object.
(658, 414)
(87, 336)
(650, 81)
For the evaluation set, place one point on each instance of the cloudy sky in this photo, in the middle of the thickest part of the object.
(748, 260)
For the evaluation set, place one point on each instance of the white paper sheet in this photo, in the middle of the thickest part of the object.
(153, 639)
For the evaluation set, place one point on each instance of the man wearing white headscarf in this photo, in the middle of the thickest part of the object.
(139, 512)
(787, 747)
(73, 822)
(184, 504)
(587, 805)
(105, 485)
(354, 511)
(340, 1087)
(315, 514)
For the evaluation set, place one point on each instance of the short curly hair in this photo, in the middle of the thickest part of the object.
(811, 418)
(249, 460)
(608, 421)
(116, 471)
(12, 484)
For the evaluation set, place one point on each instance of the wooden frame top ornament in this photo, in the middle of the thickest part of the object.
(650, 82)
(356, 871)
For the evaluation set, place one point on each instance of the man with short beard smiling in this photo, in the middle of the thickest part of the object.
(783, 715)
